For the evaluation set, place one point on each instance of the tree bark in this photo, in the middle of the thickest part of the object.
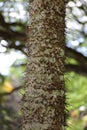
(43, 104)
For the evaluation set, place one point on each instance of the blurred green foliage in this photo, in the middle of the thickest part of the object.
(76, 90)
(76, 97)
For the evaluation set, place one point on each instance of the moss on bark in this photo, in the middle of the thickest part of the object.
(44, 101)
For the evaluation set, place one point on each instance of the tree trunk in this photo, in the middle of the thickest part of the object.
(43, 104)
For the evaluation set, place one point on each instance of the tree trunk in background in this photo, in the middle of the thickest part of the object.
(44, 101)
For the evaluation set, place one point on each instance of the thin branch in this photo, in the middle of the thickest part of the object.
(12, 35)
(80, 69)
(76, 55)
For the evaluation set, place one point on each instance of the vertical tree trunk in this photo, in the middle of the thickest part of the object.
(44, 101)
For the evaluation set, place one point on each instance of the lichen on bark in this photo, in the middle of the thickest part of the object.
(43, 104)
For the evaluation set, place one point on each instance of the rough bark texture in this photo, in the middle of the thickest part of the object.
(44, 100)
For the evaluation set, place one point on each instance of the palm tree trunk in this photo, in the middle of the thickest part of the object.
(44, 100)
